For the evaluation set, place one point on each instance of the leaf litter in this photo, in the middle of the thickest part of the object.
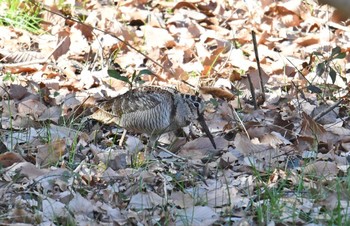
(285, 162)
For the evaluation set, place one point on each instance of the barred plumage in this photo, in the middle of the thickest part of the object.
(154, 110)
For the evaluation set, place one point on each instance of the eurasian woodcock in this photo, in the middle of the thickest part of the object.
(153, 110)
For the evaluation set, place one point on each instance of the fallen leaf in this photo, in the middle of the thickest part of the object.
(198, 215)
(9, 158)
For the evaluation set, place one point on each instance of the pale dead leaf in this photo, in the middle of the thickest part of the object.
(274, 139)
(198, 215)
(146, 200)
(331, 202)
(246, 147)
(221, 196)
(50, 153)
(53, 22)
(53, 209)
(113, 214)
(81, 205)
(328, 118)
(192, 14)
(292, 6)
(31, 107)
(182, 200)
(323, 169)
(62, 132)
(67, 68)
(79, 43)
(239, 60)
(290, 20)
(114, 158)
(9, 108)
(202, 147)
(157, 37)
(15, 138)
(133, 144)
(26, 169)
(52, 113)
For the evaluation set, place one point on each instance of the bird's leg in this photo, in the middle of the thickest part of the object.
(204, 126)
(121, 141)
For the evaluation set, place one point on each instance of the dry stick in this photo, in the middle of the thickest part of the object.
(240, 121)
(38, 61)
(172, 154)
(258, 64)
(330, 108)
(106, 32)
(252, 91)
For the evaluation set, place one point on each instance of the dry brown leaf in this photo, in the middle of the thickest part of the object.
(184, 4)
(9, 158)
(21, 69)
(210, 62)
(310, 127)
(63, 34)
(218, 92)
(308, 40)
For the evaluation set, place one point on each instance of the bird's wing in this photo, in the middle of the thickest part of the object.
(134, 100)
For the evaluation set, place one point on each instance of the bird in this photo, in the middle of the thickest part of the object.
(153, 110)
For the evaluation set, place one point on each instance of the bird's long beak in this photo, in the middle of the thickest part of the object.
(204, 126)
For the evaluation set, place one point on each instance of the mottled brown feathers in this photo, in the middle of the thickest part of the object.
(152, 110)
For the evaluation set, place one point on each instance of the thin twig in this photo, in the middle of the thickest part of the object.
(252, 91)
(240, 121)
(258, 64)
(330, 108)
(172, 154)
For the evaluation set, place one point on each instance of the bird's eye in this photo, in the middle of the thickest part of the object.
(196, 104)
